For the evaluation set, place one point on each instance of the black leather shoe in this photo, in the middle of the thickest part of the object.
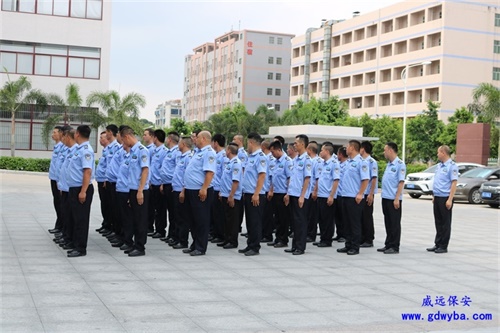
(110, 235)
(217, 240)
(441, 250)
(221, 244)
(210, 237)
(297, 252)
(136, 253)
(391, 251)
(324, 245)
(117, 244)
(366, 245)
(57, 234)
(103, 231)
(54, 231)
(229, 246)
(432, 249)
(291, 235)
(196, 253)
(114, 239)
(352, 252)
(335, 238)
(271, 243)
(251, 253)
(171, 241)
(316, 243)
(151, 233)
(341, 240)
(188, 250)
(382, 249)
(157, 235)
(244, 234)
(107, 233)
(130, 249)
(290, 250)
(279, 244)
(309, 240)
(164, 239)
(76, 253)
(126, 247)
(343, 250)
(266, 240)
(68, 246)
(60, 240)
(179, 246)
(245, 250)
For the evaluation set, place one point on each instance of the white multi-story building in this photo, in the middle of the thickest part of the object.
(361, 59)
(248, 67)
(53, 43)
(167, 111)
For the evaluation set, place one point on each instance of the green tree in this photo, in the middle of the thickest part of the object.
(120, 110)
(488, 97)
(180, 126)
(449, 134)
(423, 134)
(13, 95)
(47, 127)
(386, 129)
(268, 117)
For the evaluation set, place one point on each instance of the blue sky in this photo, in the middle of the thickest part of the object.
(149, 39)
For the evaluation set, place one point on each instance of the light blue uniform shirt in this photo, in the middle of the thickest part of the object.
(168, 165)
(83, 158)
(302, 168)
(53, 169)
(180, 168)
(394, 173)
(243, 156)
(220, 160)
(328, 172)
(281, 174)
(373, 167)
(100, 171)
(151, 147)
(62, 183)
(232, 172)
(446, 173)
(271, 164)
(113, 161)
(342, 171)
(159, 154)
(123, 173)
(202, 161)
(256, 164)
(139, 159)
(316, 162)
(356, 170)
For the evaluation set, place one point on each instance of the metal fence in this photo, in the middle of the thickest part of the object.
(29, 123)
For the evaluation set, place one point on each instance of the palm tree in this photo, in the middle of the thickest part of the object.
(72, 102)
(121, 111)
(13, 95)
(488, 96)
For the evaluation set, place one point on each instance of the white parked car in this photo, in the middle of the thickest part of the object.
(420, 183)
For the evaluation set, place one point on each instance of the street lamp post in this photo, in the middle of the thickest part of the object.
(404, 77)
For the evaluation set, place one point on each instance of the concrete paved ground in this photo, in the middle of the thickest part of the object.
(44, 291)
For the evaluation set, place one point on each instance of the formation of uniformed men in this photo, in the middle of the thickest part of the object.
(177, 185)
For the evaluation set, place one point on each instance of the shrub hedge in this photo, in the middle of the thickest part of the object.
(25, 164)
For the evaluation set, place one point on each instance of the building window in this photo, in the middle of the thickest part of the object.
(277, 92)
(496, 73)
(50, 60)
(277, 107)
(496, 46)
(497, 20)
(280, 41)
(269, 91)
(88, 9)
(269, 75)
(271, 40)
(278, 76)
(279, 61)
(270, 60)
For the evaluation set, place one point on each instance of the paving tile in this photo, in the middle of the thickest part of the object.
(69, 314)
(57, 299)
(223, 308)
(131, 298)
(144, 312)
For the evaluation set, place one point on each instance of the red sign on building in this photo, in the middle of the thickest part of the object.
(249, 47)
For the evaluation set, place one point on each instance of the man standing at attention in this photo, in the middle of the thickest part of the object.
(53, 176)
(392, 196)
(445, 185)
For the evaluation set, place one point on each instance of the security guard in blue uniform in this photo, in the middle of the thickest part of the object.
(53, 176)
(198, 193)
(298, 195)
(339, 215)
(280, 178)
(268, 222)
(254, 198)
(325, 189)
(185, 146)
(354, 183)
(167, 173)
(123, 197)
(218, 220)
(392, 195)
(230, 195)
(157, 204)
(138, 183)
(100, 177)
(312, 218)
(445, 185)
(81, 190)
(114, 153)
(368, 228)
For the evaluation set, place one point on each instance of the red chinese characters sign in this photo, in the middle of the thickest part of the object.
(249, 48)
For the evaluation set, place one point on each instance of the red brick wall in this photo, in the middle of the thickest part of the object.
(473, 143)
